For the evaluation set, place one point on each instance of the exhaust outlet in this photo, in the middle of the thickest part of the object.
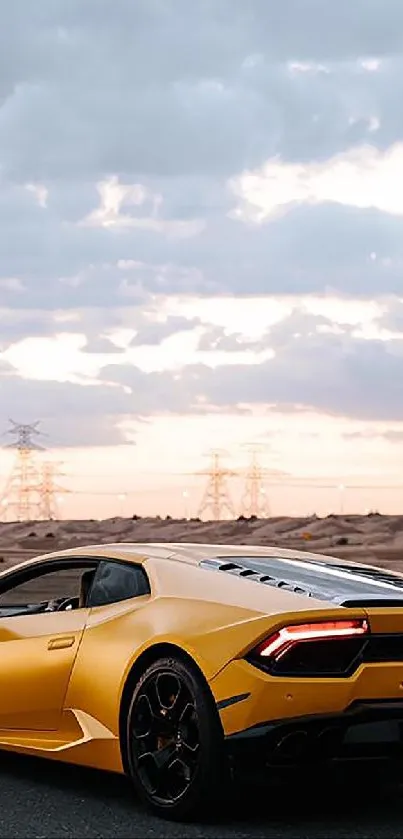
(328, 741)
(291, 746)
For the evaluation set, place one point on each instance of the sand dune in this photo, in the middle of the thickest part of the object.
(374, 538)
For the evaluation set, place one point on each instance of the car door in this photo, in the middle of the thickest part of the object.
(38, 650)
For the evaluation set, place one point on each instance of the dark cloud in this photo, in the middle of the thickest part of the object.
(300, 323)
(307, 251)
(392, 318)
(6, 369)
(82, 414)
(152, 332)
(334, 373)
(150, 326)
(312, 369)
(178, 97)
(174, 98)
(218, 339)
(391, 435)
(178, 87)
(71, 414)
(83, 100)
(65, 431)
(17, 325)
(97, 345)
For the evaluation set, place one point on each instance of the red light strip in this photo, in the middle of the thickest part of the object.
(291, 635)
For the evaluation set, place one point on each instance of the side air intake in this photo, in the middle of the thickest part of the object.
(241, 571)
(356, 587)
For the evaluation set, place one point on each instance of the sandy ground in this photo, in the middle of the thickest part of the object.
(375, 539)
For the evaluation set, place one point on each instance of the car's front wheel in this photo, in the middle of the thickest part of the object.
(175, 741)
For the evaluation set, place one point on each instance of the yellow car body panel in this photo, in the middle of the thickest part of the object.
(276, 698)
(39, 651)
(63, 674)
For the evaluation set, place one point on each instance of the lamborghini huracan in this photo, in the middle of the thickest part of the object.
(186, 666)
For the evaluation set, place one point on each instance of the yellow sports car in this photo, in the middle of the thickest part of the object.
(186, 666)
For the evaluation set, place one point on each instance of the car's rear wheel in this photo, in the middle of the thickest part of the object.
(174, 741)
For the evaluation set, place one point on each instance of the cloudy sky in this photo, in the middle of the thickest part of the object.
(201, 245)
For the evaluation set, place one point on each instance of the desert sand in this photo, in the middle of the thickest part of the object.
(375, 539)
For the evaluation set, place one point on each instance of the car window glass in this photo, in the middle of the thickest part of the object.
(115, 581)
(65, 582)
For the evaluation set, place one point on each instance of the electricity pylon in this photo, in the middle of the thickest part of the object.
(216, 498)
(254, 499)
(49, 489)
(21, 497)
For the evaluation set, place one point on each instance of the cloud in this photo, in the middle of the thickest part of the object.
(311, 369)
(392, 435)
(101, 345)
(12, 284)
(392, 317)
(211, 63)
(153, 332)
(13, 327)
(99, 330)
(116, 211)
(199, 150)
(302, 325)
(217, 338)
(335, 374)
(71, 414)
(83, 414)
(108, 157)
(6, 369)
(310, 250)
(364, 177)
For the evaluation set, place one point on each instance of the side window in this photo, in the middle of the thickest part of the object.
(45, 585)
(115, 581)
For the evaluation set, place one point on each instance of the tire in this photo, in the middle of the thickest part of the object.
(175, 742)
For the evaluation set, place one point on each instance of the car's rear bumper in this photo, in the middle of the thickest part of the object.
(364, 732)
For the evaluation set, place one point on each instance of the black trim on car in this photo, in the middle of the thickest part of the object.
(366, 730)
(232, 700)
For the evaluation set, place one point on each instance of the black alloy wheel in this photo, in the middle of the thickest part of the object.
(175, 741)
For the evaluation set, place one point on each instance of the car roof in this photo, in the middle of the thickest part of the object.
(190, 552)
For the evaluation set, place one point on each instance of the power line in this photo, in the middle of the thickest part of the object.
(216, 498)
(127, 491)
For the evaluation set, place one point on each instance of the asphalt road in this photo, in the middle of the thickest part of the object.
(43, 799)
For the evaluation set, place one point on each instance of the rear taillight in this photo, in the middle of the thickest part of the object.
(279, 643)
(311, 647)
